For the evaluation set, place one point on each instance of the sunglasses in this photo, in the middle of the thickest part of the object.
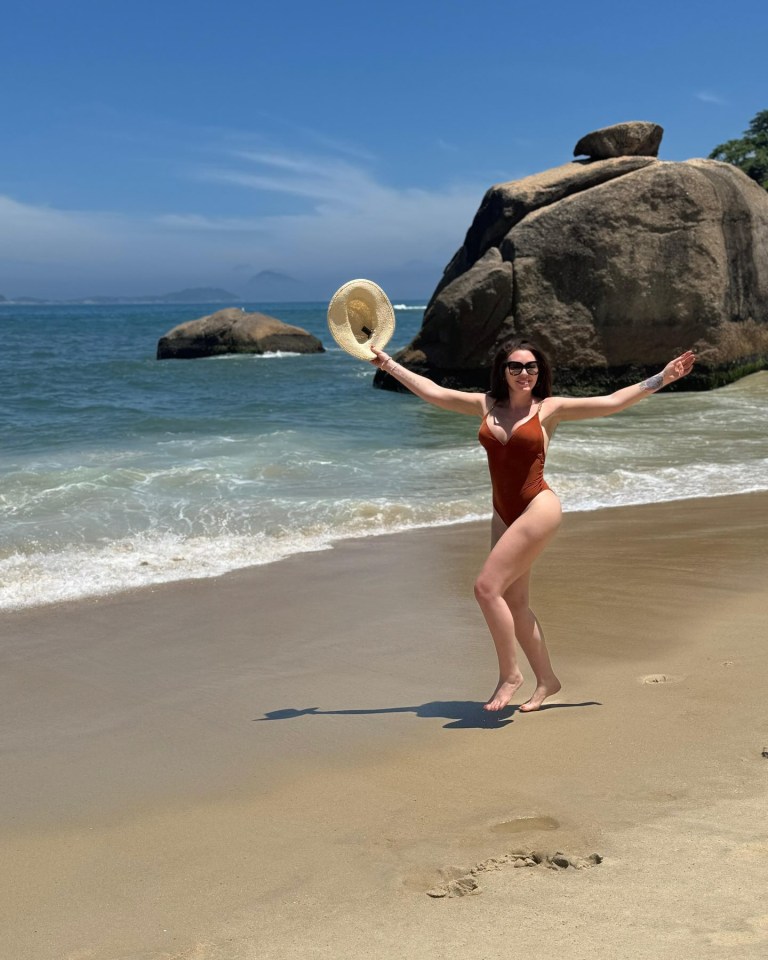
(516, 368)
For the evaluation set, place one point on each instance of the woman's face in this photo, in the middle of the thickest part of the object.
(520, 380)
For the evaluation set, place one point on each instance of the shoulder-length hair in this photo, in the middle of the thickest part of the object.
(543, 386)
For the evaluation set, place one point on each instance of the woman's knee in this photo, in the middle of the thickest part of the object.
(486, 588)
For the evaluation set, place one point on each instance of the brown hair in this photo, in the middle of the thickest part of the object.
(499, 389)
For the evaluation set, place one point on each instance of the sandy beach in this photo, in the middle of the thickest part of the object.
(285, 761)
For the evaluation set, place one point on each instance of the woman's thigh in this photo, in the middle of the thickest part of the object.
(518, 546)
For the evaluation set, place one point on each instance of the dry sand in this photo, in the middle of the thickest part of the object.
(283, 761)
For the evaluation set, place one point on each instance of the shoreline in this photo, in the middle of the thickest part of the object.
(281, 761)
(334, 543)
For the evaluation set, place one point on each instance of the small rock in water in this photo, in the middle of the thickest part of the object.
(232, 331)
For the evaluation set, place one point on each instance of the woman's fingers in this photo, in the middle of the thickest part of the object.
(684, 363)
(380, 359)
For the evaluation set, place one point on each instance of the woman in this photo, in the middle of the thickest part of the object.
(519, 416)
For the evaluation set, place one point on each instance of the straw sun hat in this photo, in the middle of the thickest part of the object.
(360, 315)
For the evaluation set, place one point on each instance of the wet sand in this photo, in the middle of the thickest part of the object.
(283, 762)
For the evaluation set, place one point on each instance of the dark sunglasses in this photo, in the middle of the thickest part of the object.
(516, 368)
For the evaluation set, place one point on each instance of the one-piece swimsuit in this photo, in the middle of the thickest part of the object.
(516, 467)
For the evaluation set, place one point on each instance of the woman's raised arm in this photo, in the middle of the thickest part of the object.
(582, 408)
(458, 401)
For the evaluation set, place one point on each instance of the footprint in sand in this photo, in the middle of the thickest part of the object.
(469, 884)
(750, 931)
(654, 678)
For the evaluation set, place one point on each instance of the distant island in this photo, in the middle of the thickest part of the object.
(273, 276)
(188, 295)
(273, 285)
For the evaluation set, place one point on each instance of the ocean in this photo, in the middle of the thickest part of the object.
(120, 471)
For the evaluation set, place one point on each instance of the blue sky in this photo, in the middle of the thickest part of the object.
(153, 146)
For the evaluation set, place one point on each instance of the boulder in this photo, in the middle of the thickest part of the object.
(485, 292)
(614, 267)
(234, 331)
(634, 139)
(506, 204)
(608, 279)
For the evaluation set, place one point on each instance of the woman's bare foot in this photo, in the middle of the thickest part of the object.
(503, 693)
(540, 694)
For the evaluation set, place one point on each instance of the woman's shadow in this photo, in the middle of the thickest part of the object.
(461, 714)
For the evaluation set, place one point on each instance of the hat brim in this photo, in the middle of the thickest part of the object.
(360, 316)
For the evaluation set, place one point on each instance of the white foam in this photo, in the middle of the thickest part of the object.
(85, 571)
(47, 576)
(623, 488)
(97, 521)
(38, 578)
(267, 355)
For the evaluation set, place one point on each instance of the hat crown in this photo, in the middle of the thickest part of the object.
(361, 320)
(360, 315)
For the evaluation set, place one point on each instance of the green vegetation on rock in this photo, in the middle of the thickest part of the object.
(750, 153)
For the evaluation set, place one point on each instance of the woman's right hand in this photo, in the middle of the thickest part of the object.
(380, 359)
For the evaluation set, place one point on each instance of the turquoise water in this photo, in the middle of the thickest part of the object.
(119, 470)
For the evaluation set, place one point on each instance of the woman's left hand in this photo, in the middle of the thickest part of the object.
(679, 367)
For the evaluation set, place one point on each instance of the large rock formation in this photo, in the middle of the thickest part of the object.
(234, 331)
(613, 266)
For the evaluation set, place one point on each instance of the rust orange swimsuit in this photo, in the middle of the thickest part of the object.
(516, 467)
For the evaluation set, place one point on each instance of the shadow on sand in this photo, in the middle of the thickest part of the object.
(461, 714)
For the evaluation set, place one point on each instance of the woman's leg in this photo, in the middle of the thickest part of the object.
(510, 559)
(531, 638)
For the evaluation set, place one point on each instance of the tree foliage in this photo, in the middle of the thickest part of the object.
(750, 153)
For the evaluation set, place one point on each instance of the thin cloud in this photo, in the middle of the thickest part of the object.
(319, 138)
(351, 217)
(337, 146)
(352, 224)
(191, 222)
(35, 234)
(706, 97)
(315, 178)
(337, 189)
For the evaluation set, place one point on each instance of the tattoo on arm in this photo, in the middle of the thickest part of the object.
(655, 382)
